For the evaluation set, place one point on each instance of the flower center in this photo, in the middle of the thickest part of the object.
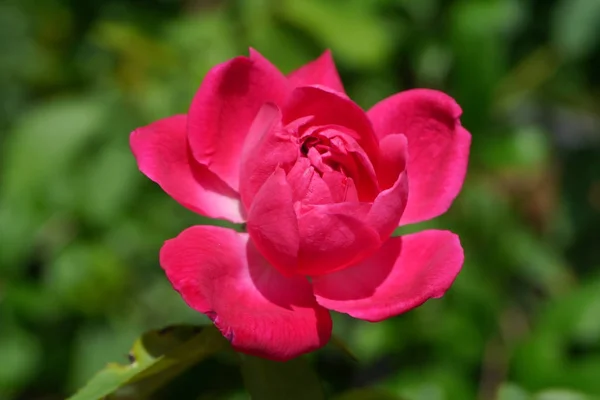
(333, 150)
(326, 153)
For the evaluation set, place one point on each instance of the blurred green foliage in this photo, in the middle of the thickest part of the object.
(80, 227)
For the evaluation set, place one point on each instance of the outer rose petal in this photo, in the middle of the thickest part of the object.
(220, 273)
(162, 154)
(321, 71)
(272, 223)
(225, 106)
(437, 144)
(403, 274)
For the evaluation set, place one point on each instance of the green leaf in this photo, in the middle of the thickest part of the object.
(156, 357)
(272, 380)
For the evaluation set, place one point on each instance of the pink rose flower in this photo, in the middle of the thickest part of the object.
(321, 185)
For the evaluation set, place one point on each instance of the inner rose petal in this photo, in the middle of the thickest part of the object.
(333, 148)
(341, 187)
(307, 185)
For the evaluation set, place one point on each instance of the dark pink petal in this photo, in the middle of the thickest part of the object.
(225, 106)
(331, 108)
(272, 223)
(351, 192)
(438, 147)
(386, 212)
(219, 272)
(403, 274)
(393, 158)
(334, 236)
(268, 146)
(388, 208)
(306, 184)
(162, 154)
(341, 187)
(321, 71)
(345, 151)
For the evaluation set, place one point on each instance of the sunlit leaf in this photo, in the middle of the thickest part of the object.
(156, 358)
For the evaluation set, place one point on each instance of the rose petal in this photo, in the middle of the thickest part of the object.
(393, 158)
(272, 223)
(163, 155)
(220, 273)
(437, 144)
(390, 203)
(403, 274)
(224, 107)
(388, 208)
(330, 108)
(321, 71)
(334, 236)
(345, 151)
(267, 147)
(340, 186)
(306, 184)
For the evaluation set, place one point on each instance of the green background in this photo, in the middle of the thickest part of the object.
(80, 227)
